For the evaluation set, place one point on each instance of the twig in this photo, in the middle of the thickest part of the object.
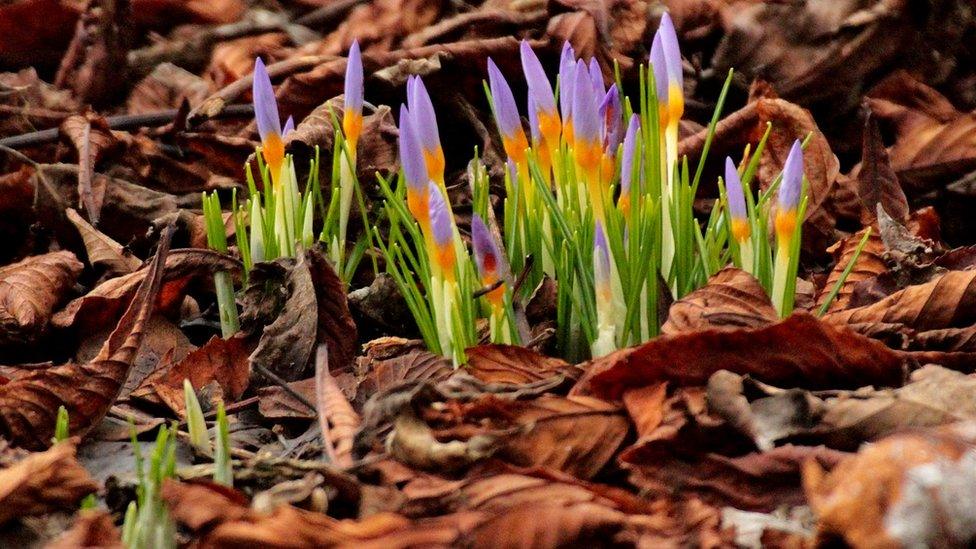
(121, 122)
(284, 385)
(328, 14)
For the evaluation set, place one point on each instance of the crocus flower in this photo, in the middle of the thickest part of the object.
(737, 202)
(789, 193)
(567, 77)
(611, 112)
(442, 231)
(425, 124)
(627, 162)
(603, 290)
(352, 119)
(489, 259)
(507, 115)
(596, 77)
(266, 115)
(289, 127)
(542, 101)
(666, 62)
(414, 169)
(587, 142)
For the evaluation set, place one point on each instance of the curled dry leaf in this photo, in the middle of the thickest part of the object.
(337, 419)
(91, 137)
(43, 482)
(948, 301)
(102, 250)
(29, 292)
(93, 528)
(104, 303)
(731, 299)
(391, 360)
(220, 361)
(514, 364)
(336, 328)
(908, 490)
(877, 183)
(870, 264)
(799, 350)
(29, 404)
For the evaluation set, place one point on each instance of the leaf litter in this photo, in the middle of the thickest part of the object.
(849, 422)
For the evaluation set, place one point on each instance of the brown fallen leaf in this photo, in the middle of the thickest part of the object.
(105, 302)
(220, 361)
(731, 299)
(28, 405)
(102, 250)
(514, 364)
(44, 482)
(335, 326)
(799, 350)
(870, 264)
(911, 489)
(29, 292)
(94, 66)
(91, 137)
(877, 183)
(337, 419)
(94, 528)
(948, 301)
(391, 360)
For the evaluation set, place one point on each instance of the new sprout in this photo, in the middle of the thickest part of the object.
(786, 228)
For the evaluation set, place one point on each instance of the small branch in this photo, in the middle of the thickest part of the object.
(284, 385)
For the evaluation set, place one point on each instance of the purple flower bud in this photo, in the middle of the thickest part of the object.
(567, 77)
(411, 155)
(586, 119)
(660, 67)
(487, 256)
(441, 224)
(506, 111)
(540, 90)
(792, 184)
(672, 53)
(629, 154)
(596, 76)
(534, 120)
(422, 111)
(353, 97)
(289, 127)
(611, 112)
(265, 104)
(734, 191)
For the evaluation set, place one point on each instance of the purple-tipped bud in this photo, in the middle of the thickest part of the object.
(422, 110)
(289, 127)
(660, 67)
(265, 104)
(534, 120)
(629, 154)
(487, 255)
(611, 112)
(354, 80)
(411, 154)
(792, 184)
(441, 224)
(506, 111)
(567, 77)
(586, 119)
(596, 76)
(672, 53)
(733, 188)
(540, 90)
(512, 168)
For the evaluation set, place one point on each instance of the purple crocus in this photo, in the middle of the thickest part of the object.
(601, 265)
(567, 77)
(611, 112)
(666, 60)
(789, 189)
(596, 77)
(587, 143)
(741, 230)
(414, 168)
(627, 158)
(441, 230)
(266, 115)
(352, 120)
(289, 127)
(542, 101)
(506, 114)
(425, 124)
(487, 256)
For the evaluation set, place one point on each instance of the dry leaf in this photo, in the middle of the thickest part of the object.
(102, 250)
(29, 292)
(798, 350)
(43, 482)
(337, 420)
(877, 183)
(870, 264)
(731, 299)
(94, 528)
(514, 364)
(29, 404)
(336, 327)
